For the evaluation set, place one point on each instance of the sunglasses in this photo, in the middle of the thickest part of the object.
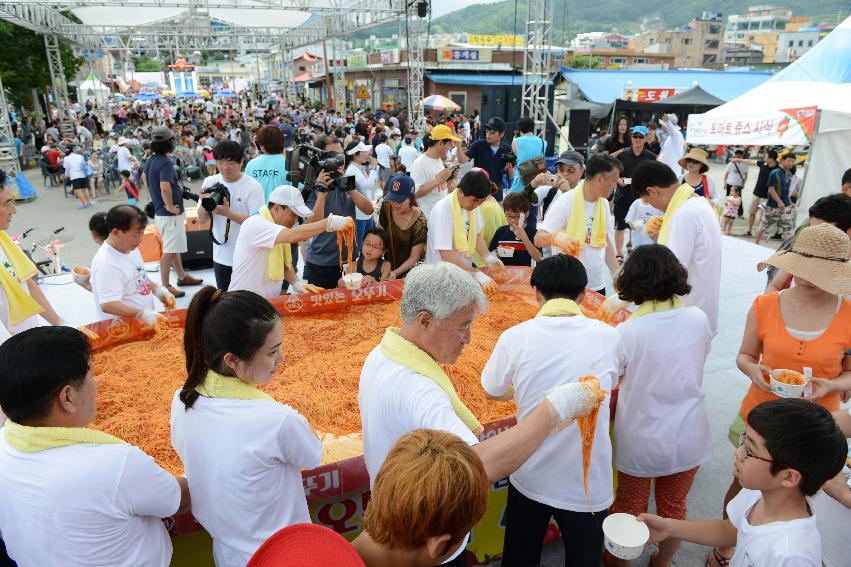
(638, 136)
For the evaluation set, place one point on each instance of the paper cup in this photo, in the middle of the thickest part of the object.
(81, 275)
(625, 536)
(783, 389)
(353, 281)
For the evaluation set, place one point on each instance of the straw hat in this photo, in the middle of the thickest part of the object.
(301, 545)
(697, 155)
(820, 256)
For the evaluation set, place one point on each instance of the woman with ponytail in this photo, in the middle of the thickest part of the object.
(242, 451)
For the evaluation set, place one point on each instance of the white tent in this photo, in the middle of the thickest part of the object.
(805, 104)
(92, 89)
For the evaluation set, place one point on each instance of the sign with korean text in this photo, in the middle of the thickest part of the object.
(389, 56)
(490, 40)
(788, 127)
(357, 61)
(649, 95)
(464, 55)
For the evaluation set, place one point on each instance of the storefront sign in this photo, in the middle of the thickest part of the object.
(506, 40)
(648, 95)
(468, 55)
(389, 56)
(356, 61)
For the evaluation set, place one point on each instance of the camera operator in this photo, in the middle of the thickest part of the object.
(246, 198)
(169, 215)
(490, 154)
(322, 267)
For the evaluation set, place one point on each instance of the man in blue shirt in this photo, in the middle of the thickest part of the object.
(778, 208)
(489, 154)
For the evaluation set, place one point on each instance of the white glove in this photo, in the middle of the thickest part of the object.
(573, 400)
(298, 286)
(336, 223)
(494, 262)
(610, 306)
(637, 224)
(165, 296)
(482, 278)
(148, 317)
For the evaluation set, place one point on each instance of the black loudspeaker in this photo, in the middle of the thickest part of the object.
(580, 128)
(422, 9)
(199, 250)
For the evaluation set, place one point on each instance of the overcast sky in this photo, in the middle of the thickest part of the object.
(441, 7)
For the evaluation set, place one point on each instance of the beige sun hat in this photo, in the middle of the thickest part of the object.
(695, 154)
(820, 256)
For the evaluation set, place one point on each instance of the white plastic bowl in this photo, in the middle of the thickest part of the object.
(625, 535)
(784, 390)
(353, 281)
(81, 278)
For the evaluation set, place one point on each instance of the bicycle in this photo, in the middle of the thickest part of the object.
(52, 264)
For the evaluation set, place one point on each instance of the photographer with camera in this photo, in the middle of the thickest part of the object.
(228, 199)
(491, 154)
(327, 197)
(262, 258)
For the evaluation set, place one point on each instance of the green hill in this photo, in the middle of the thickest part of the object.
(622, 16)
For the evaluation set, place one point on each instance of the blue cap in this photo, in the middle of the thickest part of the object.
(640, 130)
(399, 188)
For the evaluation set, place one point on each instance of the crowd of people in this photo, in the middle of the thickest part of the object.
(446, 209)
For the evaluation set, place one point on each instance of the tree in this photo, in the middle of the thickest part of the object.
(581, 62)
(147, 64)
(23, 66)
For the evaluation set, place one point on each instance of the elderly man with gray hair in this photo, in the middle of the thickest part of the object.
(403, 388)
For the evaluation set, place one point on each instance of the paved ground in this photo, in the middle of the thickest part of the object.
(724, 384)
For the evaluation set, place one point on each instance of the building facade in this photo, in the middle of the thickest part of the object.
(695, 45)
(757, 20)
(793, 44)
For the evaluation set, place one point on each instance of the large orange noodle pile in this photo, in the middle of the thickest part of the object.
(346, 235)
(587, 426)
(319, 377)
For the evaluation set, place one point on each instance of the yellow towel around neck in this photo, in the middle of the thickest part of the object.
(683, 193)
(559, 307)
(463, 241)
(401, 351)
(32, 439)
(217, 385)
(576, 226)
(21, 305)
(281, 255)
(654, 306)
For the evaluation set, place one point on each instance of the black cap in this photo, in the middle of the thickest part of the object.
(496, 123)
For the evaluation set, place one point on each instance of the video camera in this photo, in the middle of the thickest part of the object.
(510, 157)
(305, 162)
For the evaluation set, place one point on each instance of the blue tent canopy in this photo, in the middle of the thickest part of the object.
(225, 94)
(149, 96)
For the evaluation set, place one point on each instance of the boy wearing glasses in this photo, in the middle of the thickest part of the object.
(789, 449)
(513, 241)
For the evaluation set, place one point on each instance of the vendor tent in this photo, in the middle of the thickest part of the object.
(92, 89)
(805, 104)
(695, 96)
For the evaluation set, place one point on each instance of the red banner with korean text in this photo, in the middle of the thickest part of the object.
(787, 127)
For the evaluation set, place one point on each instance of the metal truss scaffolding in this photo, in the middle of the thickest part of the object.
(536, 64)
(416, 37)
(8, 157)
(60, 86)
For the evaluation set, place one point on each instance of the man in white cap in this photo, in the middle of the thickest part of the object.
(262, 257)
(673, 144)
(126, 161)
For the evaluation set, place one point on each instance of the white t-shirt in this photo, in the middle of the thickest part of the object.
(85, 505)
(641, 211)
(538, 355)
(243, 459)
(73, 164)
(251, 258)
(383, 154)
(364, 184)
(407, 155)
(737, 174)
(661, 426)
(424, 170)
(246, 198)
(594, 259)
(795, 543)
(120, 277)
(440, 225)
(695, 238)
(395, 400)
(6, 328)
(833, 519)
(125, 162)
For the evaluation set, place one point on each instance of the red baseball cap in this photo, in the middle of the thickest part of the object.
(306, 545)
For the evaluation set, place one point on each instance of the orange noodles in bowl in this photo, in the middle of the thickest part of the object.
(347, 237)
(588, 425)
(790, 377)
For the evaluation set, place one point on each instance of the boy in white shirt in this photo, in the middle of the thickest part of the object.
(790, 448)
(246, 198)
(559, 346)
(640, 211)
(70, 495)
